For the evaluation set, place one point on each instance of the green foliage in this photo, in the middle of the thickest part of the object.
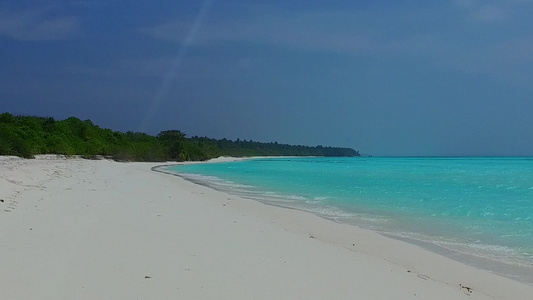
(174, 141)
(240, 148)
(200, 149)
(12, 143)
(27, 136)
(6, 118)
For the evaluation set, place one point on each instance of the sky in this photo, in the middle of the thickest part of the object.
(399, 78)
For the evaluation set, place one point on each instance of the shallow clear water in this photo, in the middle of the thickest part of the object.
(477, 206)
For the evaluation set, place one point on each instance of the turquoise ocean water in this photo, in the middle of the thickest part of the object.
(477, 207)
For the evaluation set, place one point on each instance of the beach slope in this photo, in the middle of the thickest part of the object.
(84, 229)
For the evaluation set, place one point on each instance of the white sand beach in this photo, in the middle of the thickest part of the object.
(99, 229)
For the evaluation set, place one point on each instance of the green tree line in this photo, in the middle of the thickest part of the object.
(26, 136)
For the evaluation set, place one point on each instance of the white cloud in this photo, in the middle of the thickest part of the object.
(155, 67)
(508, 61)
(174, 31)
(89, 3)
(446, 46)
(465, 3)
(487, 13)
(36, 25)
(333, 31)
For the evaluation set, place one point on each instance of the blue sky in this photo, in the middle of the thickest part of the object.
(383, 77)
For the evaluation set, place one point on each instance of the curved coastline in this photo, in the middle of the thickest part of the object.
(514, 271)
(100, 229)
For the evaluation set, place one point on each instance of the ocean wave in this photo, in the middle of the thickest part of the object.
(499, 253)
(213, 180)
(451, 203)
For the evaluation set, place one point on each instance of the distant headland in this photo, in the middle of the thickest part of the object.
(26, 136)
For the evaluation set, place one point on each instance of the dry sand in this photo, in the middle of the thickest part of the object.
(81, 229)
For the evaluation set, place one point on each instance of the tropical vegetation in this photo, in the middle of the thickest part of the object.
(26, 136)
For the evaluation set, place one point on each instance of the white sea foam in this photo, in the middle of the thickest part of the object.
(278, 197)
(313, 201)
(491, 248)
(332, 212)
(446, 202)
(213, 180)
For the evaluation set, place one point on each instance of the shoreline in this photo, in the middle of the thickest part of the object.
(513, 271)
(103, 229)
